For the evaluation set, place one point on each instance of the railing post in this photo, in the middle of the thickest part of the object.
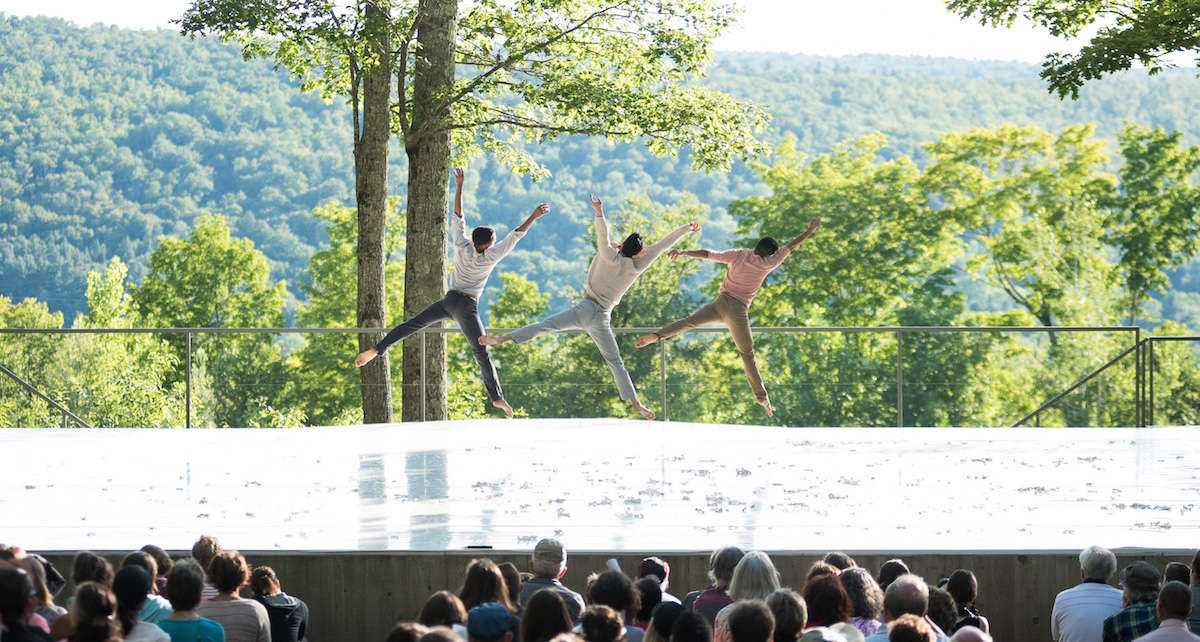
(422, 375)
(899, 379)
(188, 386)
(1150, 367)
(662, 368)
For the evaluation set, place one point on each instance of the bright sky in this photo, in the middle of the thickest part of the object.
(818, 27)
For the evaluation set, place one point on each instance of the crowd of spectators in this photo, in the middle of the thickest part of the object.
(214, 596)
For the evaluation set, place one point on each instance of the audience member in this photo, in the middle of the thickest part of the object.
(156, 608)
(47, 609)
(943, 611)
(614, 590)
(690, 626)
(790, 612)
(443, 609)
(754, 578)
(243, 620)
(889, 571)
(93, 614)
(658, 568)
(907, 595)
(965, 589)
(545, 617)
(751, 621)
(821, 567)
(970, 634)
(1194, 620)
(649, 597)
(1174, 608)
(1177, 572)
(548, 565)
(406, 632)
(827, 601)
(90, 567)
(288, 614)
(440, 634)
(711, 600)
(16, 604)
(164, 564)
(185, 585)
(866, 599)
(1079, 611)
(483, 583)
(489, 622)
(662, 620)
(203, 551)
(1139, 584)
(512, 581)
(601, 623)
(133, 587)
(910, 628)
(840, 632)
(839, 560)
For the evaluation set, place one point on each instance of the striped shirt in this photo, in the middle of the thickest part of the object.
(243, 620)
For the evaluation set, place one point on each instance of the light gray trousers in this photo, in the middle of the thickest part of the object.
(588, 316)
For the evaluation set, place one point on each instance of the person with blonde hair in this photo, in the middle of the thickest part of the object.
(754, 578)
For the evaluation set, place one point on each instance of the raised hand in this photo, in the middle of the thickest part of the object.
(460, 176)
(695, 226)
(673, 254)
(597, 204)
(540, 211)
(816, 222)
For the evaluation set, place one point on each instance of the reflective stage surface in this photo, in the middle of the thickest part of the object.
(600, 484)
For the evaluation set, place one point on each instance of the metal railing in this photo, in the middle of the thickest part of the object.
(1142, 391)
(54, 404)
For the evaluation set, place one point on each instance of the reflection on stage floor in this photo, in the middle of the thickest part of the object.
(600, 484)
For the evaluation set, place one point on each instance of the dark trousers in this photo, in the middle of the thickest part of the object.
(465, 312)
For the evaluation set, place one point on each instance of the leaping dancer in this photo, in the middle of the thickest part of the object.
(745, 275)
(612, 272)
(475, 257)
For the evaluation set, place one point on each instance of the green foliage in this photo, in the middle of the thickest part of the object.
(31, 357)
(327, 383)
(1145, 32)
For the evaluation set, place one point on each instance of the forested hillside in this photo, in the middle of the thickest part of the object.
(111, 138)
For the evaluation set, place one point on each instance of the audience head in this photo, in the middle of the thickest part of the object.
(964, 587)
(162, 561)
(545, 617)
(658, 568)
(440, 634)
(839, 560)
(690, 626)
(827, 600)
(840, 632)
(1097, 563)
(205, 549)
(228, 572)
(906, 595)
(93, 614)
(970, 634)
(406, 632)
(942, 609)
(185, 585)
(662, 620)
(821, 568)
(790, 612)
(131, 585)
(1175, 601)
(482, 583)
(549, 559)
(751, 621)
(90, 567)
(632, 245)
(721, 565)
(866, 598)
(890, 570)
(15, 588)
(1196, 567)
(910, 628)
(37, 577)
(1177, 572)
(442, 609)
(754, 577)
(601, 623)
(612, 589)
(488, 622)
(512, 581)
(767, 246)
(263, 581)
(1139, 582)
(650, 596)
(142, 560)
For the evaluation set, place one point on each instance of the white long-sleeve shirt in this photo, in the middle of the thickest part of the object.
(611, 274)
(472, 268)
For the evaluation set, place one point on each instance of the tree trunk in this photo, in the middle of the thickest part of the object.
(428, 149)
(370, 170)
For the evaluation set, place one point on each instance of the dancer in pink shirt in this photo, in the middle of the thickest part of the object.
(745, 275)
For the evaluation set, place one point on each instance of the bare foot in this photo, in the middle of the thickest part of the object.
(503, 405)
(642, 342)
(766, 403)
(642, 410)
(365, 357)
(485, 340)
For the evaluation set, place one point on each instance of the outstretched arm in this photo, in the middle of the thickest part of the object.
(538, 212)
(695, 254)
(654, 251)
(601, 226)
(812, 227)
(459, 179)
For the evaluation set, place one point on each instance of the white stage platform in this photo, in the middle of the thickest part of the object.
(600, 484)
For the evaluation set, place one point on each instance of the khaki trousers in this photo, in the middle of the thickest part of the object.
(735, 315)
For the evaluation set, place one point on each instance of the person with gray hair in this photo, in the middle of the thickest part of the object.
(1174, 608)
(548, 564)
(906, 595)
(1079, 611)
(1139, 583)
